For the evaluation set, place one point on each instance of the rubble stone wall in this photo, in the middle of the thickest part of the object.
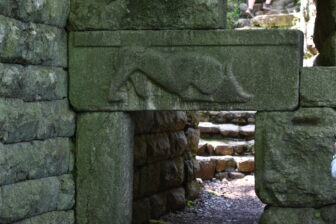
(36, 122)
(164, 165)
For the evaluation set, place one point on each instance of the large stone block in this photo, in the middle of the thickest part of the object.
(33, 160)
(58, 217)
(32, 198)
(158, 177)
(33, 83)
(318, 86)
(185, 70)
(149, 122)
(142, 14)
(276, 215)
(35, 121)
(293, 155)
(39, 11)
(30, 43)
(104, 168)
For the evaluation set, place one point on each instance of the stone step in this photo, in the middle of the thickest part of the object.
(222, 166)
(234, 117)
(217, 147)
(274, 20)
(227, 130)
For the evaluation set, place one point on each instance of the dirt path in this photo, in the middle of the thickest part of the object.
(222, 202)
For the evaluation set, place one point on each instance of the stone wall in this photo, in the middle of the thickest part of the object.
(36, 150)
(325, 32)
(164, 165)
(294, 149)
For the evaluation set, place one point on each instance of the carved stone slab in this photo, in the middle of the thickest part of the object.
(185, 70)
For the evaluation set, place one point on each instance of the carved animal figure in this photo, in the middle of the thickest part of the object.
(191, 76)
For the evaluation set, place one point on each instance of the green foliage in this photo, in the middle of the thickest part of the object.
(317, 214)
(190, 204)
(232, 13)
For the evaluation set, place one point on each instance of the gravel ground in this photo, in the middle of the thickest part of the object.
(222, 202)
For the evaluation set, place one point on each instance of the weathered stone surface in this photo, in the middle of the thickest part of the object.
(30, 121)
(207, 168)
(104, 168)
(192, 190)
(293, 155)
(39, 11)
(246, 164)
(32, 83)
(158, 177)
(236, 175)
(158, 204)
(149, 122)
(176, 199)
(126, 14)
(193, 136)
(318, 86)
(274, 21)
(34, 197)
(157, 147)
(172, 70)
(141, 211)
(275, 215)
(224, 162)
(35, 160)
(30, 43)
(59, 217)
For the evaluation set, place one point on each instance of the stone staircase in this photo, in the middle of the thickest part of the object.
(226, 146)
(284, 14)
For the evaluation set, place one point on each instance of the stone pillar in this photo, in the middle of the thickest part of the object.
(104, 168)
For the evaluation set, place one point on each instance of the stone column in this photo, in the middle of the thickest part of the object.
(104, 168)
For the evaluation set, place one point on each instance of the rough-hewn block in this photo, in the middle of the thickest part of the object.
(30, 121)
(149, 122)
(33, 160)
(275, 215)
(39, 11)
(58, 217)
(30, 43)
(32, 83)
(158, 177)
(142, 14)
(104, 168)
(185, 70)
(35, 197)
(293, 155)
(318, 86)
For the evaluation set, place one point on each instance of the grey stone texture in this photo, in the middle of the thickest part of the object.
(39, 11)
(58, 217)
(35, 197)
(293, 155)
(33, 83)
(104, 159)
(149, 122)
(35, 121)
(160, 14)
(31, 43)
(276, 215)
(317, 87)
(158, 147)
(36, 159)
(158, 177)
(168, 68)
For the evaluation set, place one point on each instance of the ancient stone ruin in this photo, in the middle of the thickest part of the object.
(83, 86)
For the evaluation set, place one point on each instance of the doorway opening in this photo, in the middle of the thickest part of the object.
(199, 168)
